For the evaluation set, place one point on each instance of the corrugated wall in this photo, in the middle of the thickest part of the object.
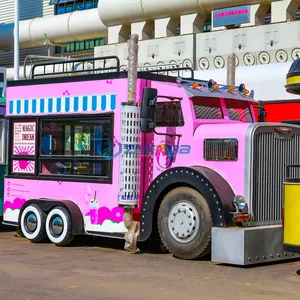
(29, 9)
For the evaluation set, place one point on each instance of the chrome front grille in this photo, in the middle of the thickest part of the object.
(271, 152)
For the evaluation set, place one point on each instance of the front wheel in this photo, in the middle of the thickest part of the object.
(59, 227)
(184, 223)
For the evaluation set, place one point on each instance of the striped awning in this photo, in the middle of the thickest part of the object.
(68, 104)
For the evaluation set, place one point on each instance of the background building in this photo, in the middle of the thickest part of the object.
(197, 34)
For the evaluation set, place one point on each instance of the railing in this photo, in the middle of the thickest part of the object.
(104, 64)
(76, 66)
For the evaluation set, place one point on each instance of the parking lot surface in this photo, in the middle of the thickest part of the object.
(96, 268)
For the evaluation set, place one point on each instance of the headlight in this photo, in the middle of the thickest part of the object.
(239, 203)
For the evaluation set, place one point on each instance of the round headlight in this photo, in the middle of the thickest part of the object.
(239, 203)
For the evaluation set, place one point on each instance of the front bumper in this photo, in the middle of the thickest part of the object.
(248, 246)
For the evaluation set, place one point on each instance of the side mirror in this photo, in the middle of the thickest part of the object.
(148, 110)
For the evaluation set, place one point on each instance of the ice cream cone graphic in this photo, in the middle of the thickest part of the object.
(94, 206)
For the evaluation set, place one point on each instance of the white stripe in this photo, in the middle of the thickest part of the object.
(29, 106)
(71, 104)
(38, 107)
(80, 106)
(63, 103)
(89, 103)
(46, 105)
(108, 102)
(22, 107)
(54, 105)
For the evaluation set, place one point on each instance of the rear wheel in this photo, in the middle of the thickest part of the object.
(59, 226)
(184, 223)
(32, 223)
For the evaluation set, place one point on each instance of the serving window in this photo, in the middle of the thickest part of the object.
(72, 148)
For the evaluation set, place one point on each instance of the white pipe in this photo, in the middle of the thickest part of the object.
(92, 23)
(59, 29)
(115, 12)
(16, 41)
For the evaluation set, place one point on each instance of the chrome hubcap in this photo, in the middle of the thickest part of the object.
(31, 222)
(183, 222)
(57, 225)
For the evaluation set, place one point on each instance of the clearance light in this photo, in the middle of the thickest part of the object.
(212, 85)
(246, 92)
(242, 218)
(195, 85)
(230, 89)
(242, 88)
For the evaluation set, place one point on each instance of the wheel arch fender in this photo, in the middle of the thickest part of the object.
(48, 204)
(211, 185)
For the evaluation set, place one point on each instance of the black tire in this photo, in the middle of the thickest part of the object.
(32, 224)
(193, 239)
(61, 217)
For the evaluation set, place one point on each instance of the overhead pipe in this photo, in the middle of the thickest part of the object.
(116, 13)
(58, 29)
(93, 23)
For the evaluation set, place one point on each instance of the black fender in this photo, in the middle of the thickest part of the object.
(213, 187)
(48, 204)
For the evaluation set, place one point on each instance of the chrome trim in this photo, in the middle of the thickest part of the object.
(249, 162)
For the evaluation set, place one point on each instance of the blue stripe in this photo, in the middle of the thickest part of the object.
(34, 106)
(11, 107)
(67, 104)
(42, 105)
(113, 102)
(94, 103)
(85, 103)
(103, 102)
(76, 103)
(26, 107)
(50, 105)
(58, 104)
(18, 106)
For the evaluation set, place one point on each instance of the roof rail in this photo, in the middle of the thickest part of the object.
(96, 65)
(92, 65)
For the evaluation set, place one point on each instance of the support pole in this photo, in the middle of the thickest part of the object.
(16, 41)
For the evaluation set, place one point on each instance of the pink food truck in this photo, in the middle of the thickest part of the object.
(186, 157)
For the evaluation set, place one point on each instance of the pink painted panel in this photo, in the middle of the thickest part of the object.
(98, 202)
(193, 137)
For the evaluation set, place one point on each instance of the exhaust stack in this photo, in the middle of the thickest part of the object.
(231, 70)
(129, 178)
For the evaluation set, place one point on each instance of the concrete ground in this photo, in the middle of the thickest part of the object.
(95, 268)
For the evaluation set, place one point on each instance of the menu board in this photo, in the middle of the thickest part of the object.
(24, 135)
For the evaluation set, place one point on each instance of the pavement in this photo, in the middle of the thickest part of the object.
(98, 268)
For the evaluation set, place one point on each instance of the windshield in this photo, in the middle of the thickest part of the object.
(207, 108)
(238, 110)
